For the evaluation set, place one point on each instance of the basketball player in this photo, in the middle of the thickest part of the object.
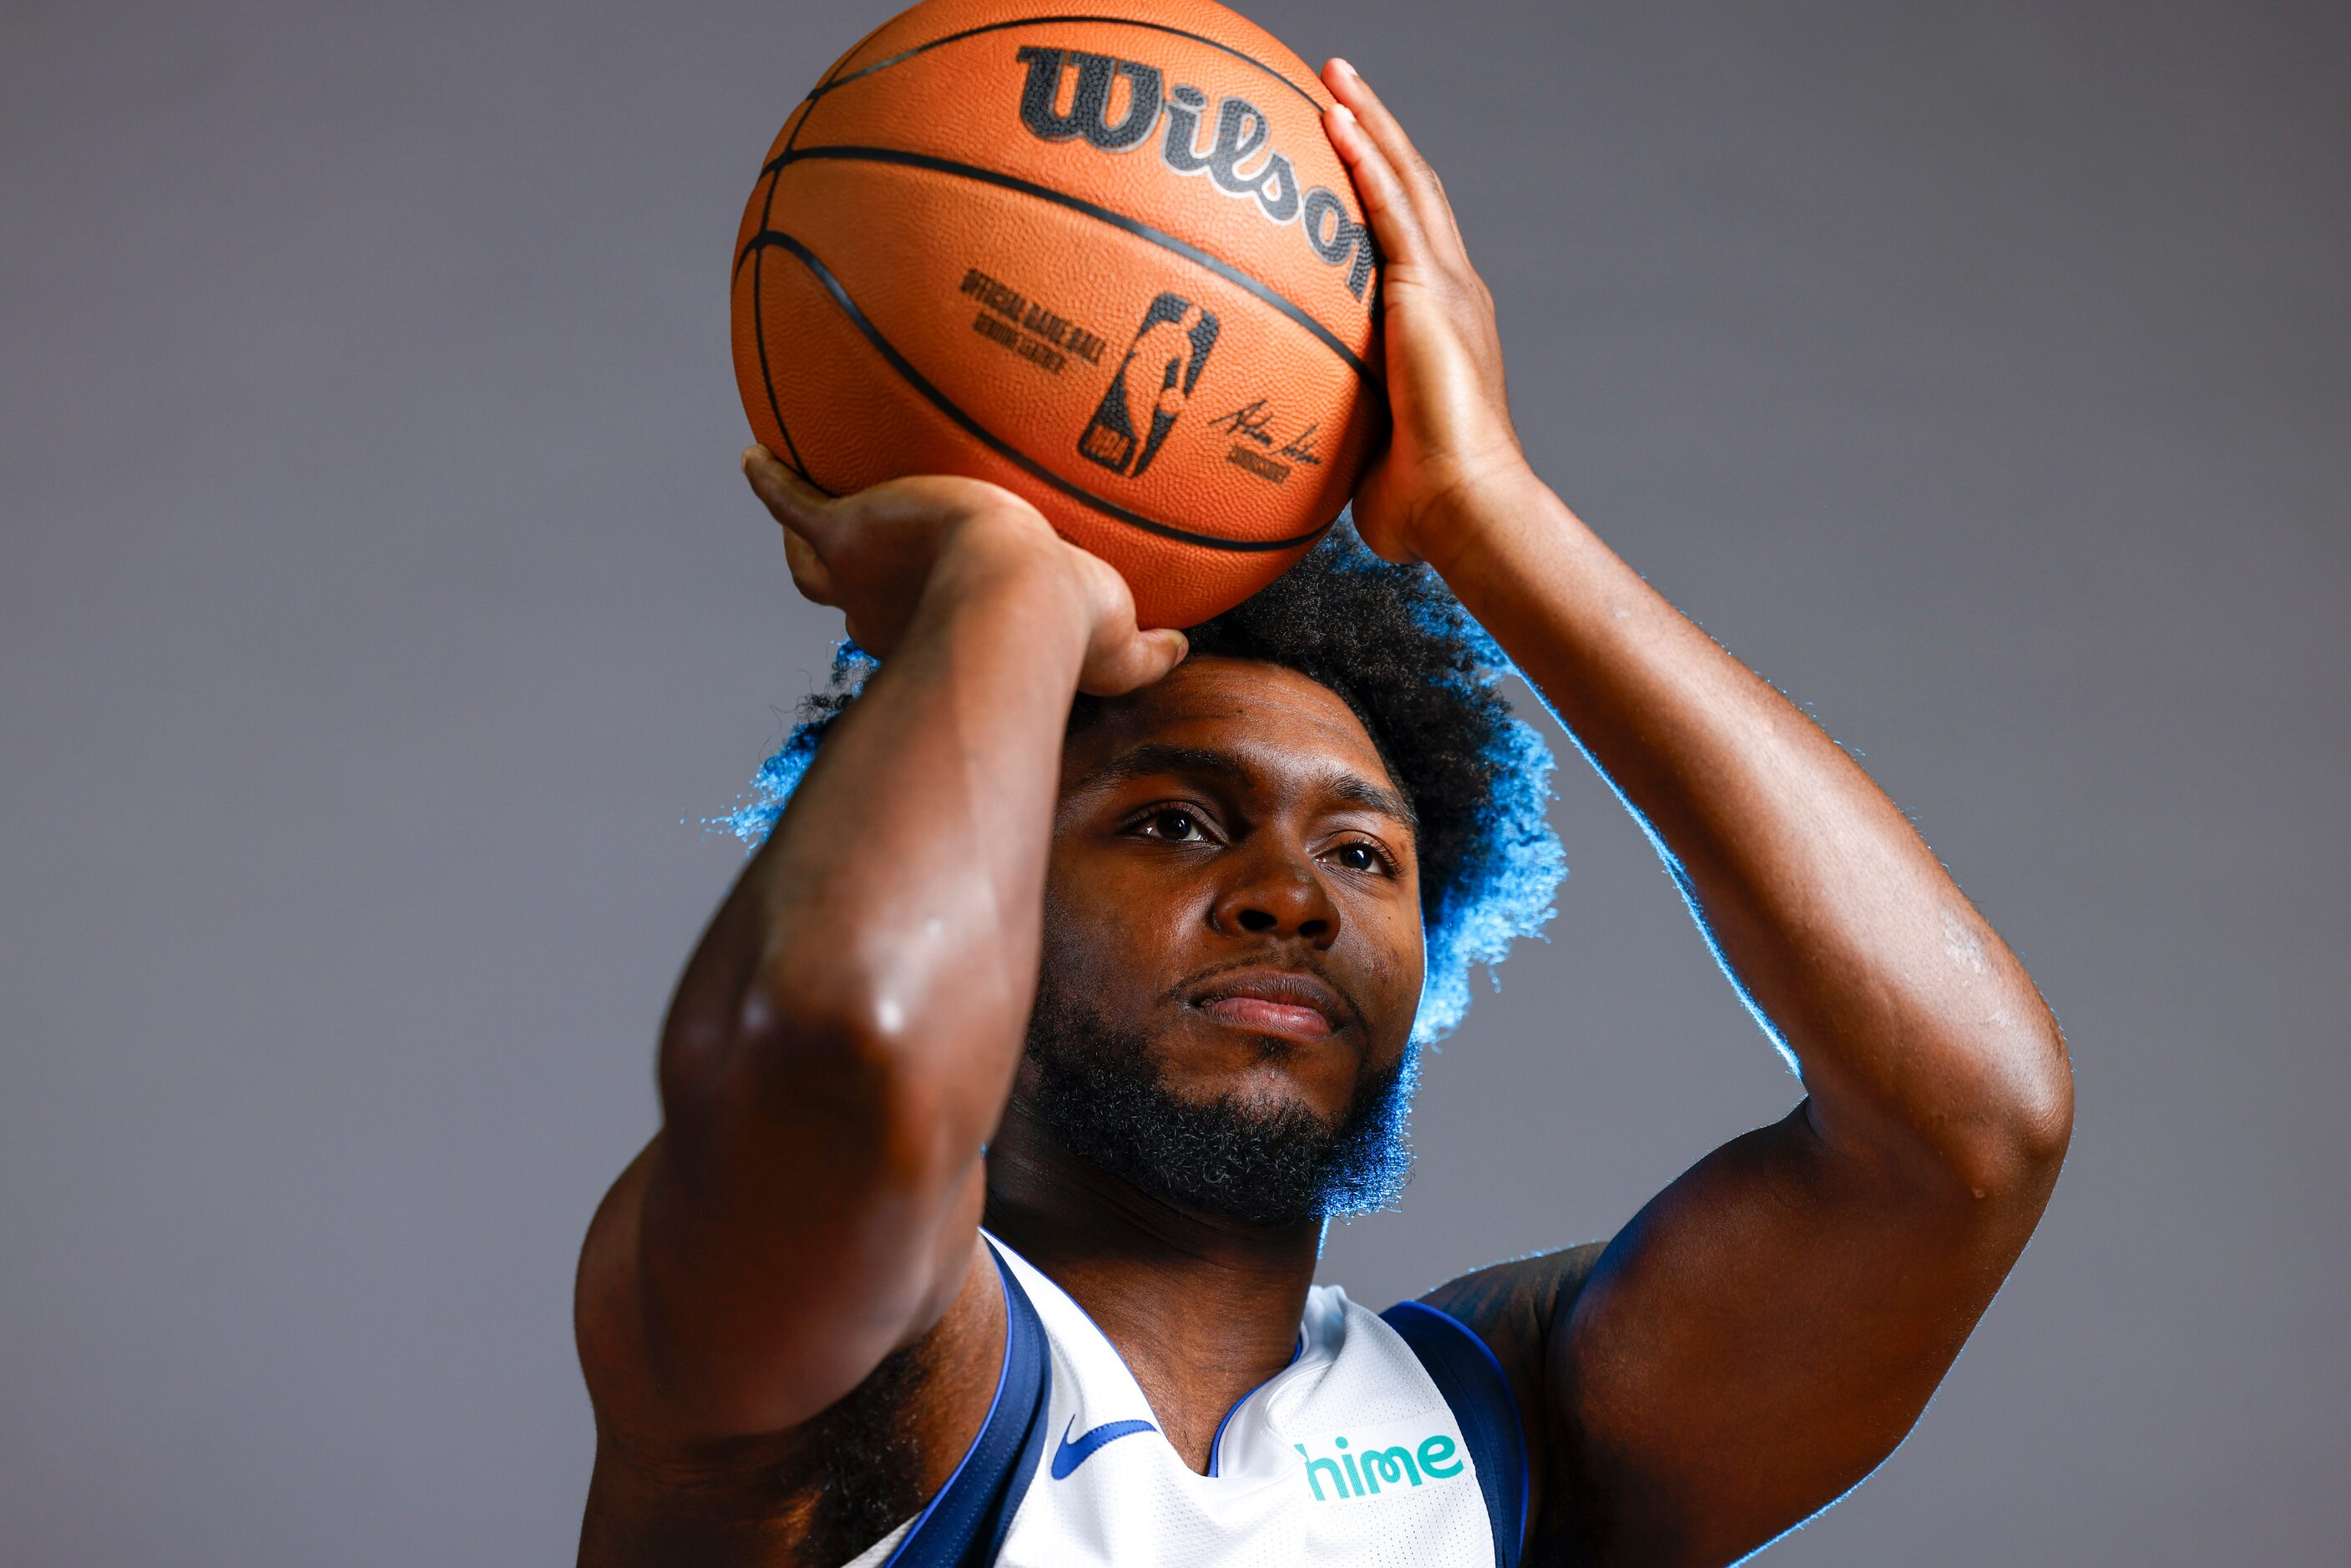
(1006, 1096)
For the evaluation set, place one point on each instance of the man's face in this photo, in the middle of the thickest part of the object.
(1232, 939)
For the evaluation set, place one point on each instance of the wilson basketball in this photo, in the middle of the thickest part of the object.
(1110, 262)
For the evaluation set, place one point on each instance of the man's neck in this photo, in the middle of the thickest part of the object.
(1202, 1308)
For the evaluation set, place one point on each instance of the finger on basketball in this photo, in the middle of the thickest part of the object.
(789, 499)
(1386, 202)
(1416, 181)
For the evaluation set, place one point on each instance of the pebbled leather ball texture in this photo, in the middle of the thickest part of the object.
(1108, 261)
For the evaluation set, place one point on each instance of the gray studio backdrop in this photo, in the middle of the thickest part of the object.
(377, 595)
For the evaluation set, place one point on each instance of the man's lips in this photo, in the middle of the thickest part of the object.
(1275, 1002)
(1270, 1018)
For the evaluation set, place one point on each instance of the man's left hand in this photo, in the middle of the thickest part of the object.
(1453, 438)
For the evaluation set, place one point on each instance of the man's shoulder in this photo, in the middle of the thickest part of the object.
(1516, 1306)
(1514, 1303)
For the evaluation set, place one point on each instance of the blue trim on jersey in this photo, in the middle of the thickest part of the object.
(1217, 1443)
(1464, 1371)
(965, 1525)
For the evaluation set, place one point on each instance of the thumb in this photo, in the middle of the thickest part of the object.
(1133, 661)
(810, 574)
(790, 499)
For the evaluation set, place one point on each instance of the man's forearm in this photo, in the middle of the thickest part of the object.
(1912, 1020)
(899, 892)
(847, 1031)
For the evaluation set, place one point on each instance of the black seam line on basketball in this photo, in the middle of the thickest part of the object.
(827, 86)
(1160, 237)
(947, 405)
(759, 334)
(768, 216)
(825, 82)
(833, 71)
(759, 295)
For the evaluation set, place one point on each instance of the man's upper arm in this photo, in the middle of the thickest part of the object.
(617, 1322)
(1759, 1337)
(665, 1489)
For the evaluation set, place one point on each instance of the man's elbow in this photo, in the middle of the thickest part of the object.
(2012, 1144)
(827, 1059)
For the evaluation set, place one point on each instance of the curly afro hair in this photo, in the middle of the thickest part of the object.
(1394, 645)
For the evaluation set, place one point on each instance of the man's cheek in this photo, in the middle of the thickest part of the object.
(1092, 958)
(1108, 925)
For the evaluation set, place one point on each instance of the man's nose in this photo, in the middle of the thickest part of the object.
(1279, 894)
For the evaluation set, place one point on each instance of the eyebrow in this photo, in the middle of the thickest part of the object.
(1153, 759)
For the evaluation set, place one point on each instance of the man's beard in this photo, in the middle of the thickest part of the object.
(1096, 1090)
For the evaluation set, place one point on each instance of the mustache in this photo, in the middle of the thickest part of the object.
(1202, 979)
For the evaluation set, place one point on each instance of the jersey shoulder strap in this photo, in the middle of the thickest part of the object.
(964, 1526)
(1471, 1380)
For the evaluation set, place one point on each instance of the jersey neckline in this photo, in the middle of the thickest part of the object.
(1217, 1443)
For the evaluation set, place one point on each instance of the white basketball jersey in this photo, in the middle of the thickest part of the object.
(1350, 1455)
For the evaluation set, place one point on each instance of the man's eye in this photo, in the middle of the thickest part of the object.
(1359, 857)
(1174, 827)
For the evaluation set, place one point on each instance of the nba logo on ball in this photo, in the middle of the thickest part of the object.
(1171, 346)
(1110, 262)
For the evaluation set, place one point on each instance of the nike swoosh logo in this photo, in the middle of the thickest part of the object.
(1069, 1456)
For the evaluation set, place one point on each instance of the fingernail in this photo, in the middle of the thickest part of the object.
(1339, 111)
(1341, 63)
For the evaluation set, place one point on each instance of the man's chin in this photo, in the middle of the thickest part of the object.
(1204, 1058)
(1269, 1081)
(1239, 1138)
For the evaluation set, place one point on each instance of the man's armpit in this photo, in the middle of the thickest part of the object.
(822, 1491)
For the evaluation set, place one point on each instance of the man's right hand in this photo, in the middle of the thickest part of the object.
(874, 554)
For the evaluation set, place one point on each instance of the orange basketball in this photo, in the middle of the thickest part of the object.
(1109, 262)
